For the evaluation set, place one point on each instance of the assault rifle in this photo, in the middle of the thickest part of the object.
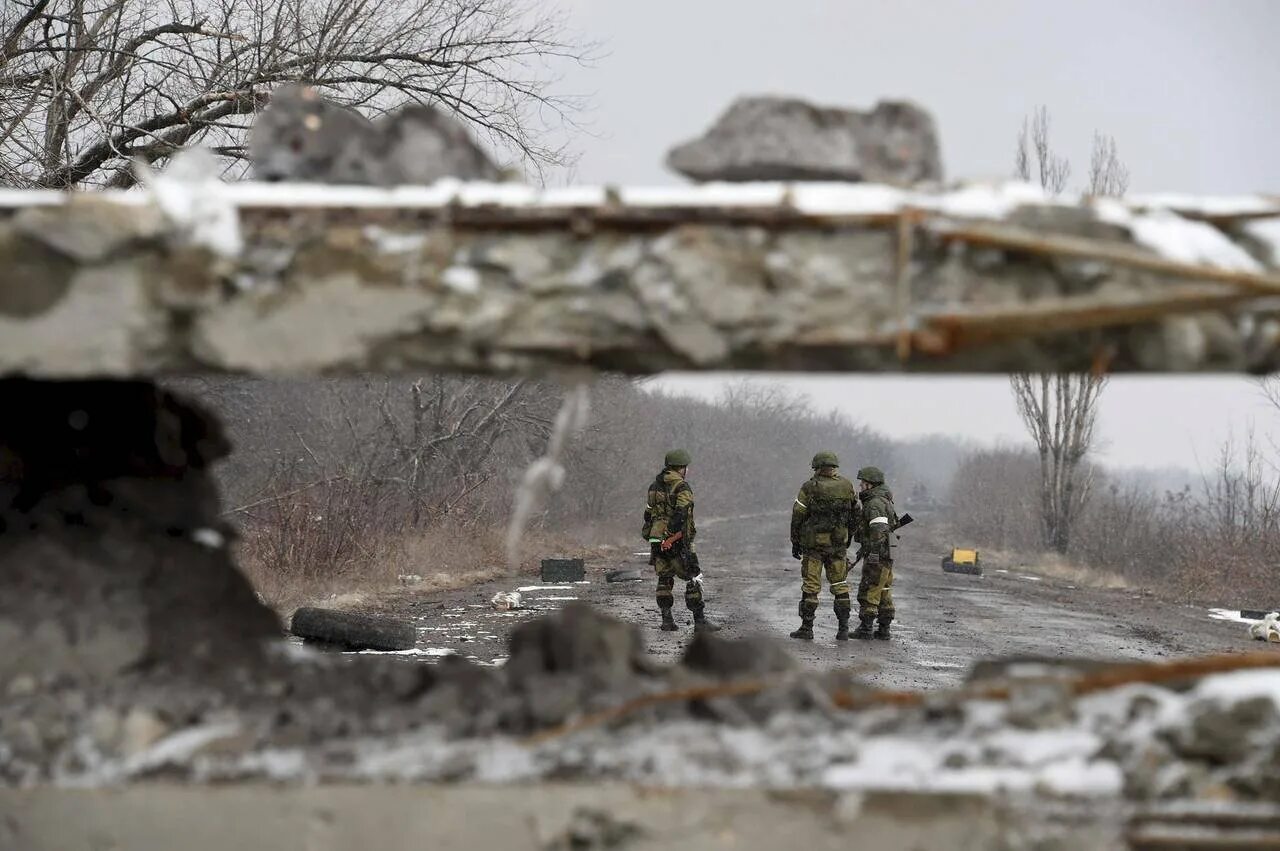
(904, 520)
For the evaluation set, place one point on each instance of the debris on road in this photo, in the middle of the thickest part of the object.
(579, 698)
(961, 560)
(623, 575)
(351, 630)
(563, 570)
(1267, 629)
(506, 601)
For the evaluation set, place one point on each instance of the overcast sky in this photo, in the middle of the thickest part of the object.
(1190, 89)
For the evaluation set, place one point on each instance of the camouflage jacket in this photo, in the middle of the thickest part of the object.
(669, 508)
(823, 514)
(876, 521)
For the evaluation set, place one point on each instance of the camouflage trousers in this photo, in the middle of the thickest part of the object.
(670, 566)
(875, 592)
(836, 566)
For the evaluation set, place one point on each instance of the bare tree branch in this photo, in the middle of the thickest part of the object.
(83, 88)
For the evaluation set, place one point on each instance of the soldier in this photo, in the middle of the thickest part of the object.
(822, 520)
(670, 530)
(876, 523)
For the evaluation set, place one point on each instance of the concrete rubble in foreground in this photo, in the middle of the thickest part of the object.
(504, 278)
(136, 653)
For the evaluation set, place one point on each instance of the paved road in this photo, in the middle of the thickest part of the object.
(945, 621)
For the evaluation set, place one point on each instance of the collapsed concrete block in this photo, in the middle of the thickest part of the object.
(775, 138)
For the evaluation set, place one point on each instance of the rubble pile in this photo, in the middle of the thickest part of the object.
(580, 700)
(134, 649)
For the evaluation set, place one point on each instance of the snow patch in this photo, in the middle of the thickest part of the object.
(413, 651)
(463, 279)
(1176, 238)
(1267, 232)
(846, 199)
(192, 196)
(1232, 615)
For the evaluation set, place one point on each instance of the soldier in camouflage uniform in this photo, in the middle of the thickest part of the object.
(876, 523)
(822, 519)
(671, 533)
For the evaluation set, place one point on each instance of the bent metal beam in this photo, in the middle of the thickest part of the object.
(504, 278)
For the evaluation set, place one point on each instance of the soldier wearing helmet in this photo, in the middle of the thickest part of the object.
(876, 522)
(670, 531)
(822, 521)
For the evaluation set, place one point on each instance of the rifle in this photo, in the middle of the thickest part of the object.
(904, 520)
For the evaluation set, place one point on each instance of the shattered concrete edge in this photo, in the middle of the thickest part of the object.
(501, 278)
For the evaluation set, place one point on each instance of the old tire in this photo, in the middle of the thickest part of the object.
(352, 631)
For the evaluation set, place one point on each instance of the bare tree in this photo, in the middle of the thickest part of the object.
(1108, 176)
(87, 85)
(1060, 412)
(1035, 155)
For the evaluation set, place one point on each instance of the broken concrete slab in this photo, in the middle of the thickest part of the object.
(480, 277)
(779, 138)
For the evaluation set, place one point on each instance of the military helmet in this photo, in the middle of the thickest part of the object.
(677, 458)
(826, 458)
(871, 475)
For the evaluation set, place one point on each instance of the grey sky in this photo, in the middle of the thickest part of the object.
(1189, 88)
(1144, 422)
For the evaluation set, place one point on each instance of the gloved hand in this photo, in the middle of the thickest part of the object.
(795, 551)
(697, 579)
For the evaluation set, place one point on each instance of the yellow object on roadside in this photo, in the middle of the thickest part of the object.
(960, 556)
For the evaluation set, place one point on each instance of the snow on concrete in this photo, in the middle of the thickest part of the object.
(847, 199)
(1267, 232)
(1240, 685)
(1176, 238)
(190, 194)
(1208, 205)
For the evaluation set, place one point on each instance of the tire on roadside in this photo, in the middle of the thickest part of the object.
(352, 631)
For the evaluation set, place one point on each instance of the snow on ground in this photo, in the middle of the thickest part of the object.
(1230, 615)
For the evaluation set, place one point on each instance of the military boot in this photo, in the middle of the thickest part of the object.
(701, 624)
(842, 628)
(882, 631)
(805, 631)
(668, 622)
(865, 623)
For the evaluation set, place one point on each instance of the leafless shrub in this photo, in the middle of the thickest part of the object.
(989, 501)
(1035, 156)
(1219, 543)
(1108, 176)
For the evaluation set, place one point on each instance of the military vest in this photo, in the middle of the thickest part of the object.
(660, 504)
(828, 510)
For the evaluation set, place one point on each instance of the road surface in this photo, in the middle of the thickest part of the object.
(945, 621)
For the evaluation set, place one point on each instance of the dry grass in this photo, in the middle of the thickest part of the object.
(445, 557)
(1054, 566)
